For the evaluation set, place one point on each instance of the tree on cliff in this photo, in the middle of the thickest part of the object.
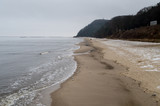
(89, 30)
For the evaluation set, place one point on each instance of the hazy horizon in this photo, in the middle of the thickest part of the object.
(59, 17)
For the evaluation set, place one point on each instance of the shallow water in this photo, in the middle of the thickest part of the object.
(30, 65)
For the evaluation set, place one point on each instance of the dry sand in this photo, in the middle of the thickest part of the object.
(100, 82)
(133, 61)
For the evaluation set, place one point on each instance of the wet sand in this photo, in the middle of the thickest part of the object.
(100, 82)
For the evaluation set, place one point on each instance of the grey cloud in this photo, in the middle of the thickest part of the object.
(60, 17)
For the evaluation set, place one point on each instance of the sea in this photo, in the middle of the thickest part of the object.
(30, 65)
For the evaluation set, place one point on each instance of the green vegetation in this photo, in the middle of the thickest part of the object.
(91, 29)
(129, 27)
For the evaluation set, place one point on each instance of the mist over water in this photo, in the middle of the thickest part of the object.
(29, 65)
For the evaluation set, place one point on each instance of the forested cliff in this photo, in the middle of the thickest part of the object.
(118, 25)
(91, 29)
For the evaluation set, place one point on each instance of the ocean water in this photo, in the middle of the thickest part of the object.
(30, 65)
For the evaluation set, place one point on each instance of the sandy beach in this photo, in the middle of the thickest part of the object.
(104, 79)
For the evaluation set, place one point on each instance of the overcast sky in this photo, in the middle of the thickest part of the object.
(60, 17)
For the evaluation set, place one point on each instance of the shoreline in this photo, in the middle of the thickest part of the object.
(118, 89)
